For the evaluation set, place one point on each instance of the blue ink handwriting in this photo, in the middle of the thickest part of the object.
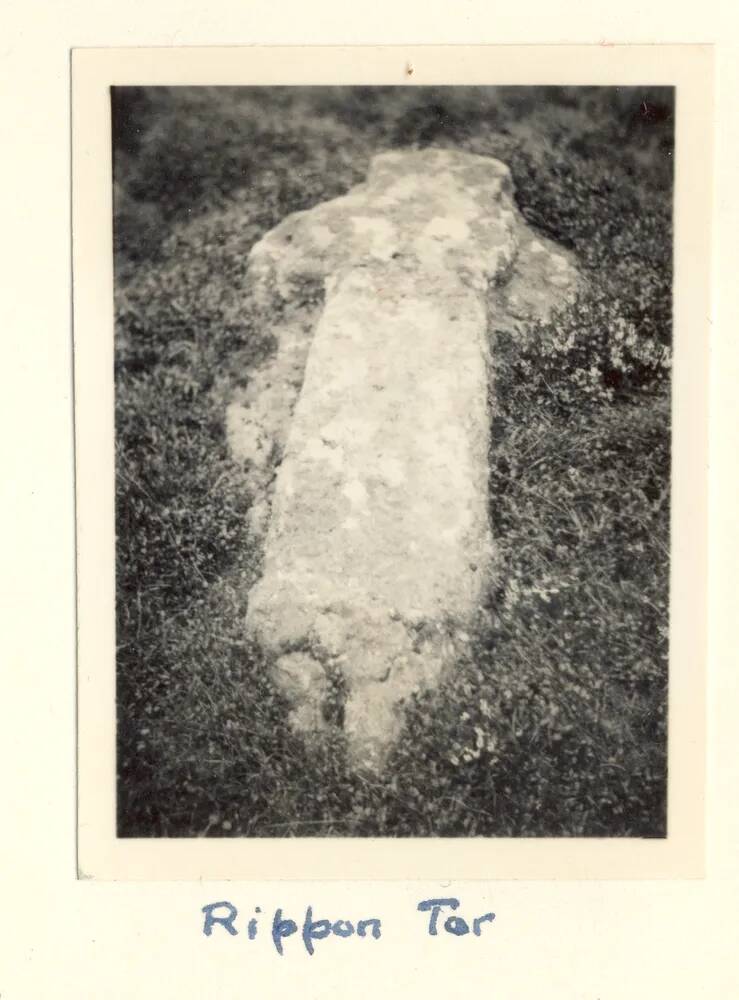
(224, 915)
(455, 924)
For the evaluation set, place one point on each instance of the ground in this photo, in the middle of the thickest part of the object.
(556, 724)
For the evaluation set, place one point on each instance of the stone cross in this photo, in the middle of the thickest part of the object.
(378, 548)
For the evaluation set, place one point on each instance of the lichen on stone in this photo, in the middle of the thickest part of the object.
(376, 404)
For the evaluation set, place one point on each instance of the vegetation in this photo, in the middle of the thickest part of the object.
(557, 724)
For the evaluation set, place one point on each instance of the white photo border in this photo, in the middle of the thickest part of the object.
(102, 855)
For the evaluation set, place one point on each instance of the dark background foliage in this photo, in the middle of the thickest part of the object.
(557, 725)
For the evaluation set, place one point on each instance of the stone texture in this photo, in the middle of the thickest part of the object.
(258, 417)
(376, 407)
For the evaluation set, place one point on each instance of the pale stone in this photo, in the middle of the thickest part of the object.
(379, 549)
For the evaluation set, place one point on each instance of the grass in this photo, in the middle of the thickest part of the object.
(556, 724)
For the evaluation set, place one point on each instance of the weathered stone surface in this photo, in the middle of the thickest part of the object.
(379, 548)
(258, 417)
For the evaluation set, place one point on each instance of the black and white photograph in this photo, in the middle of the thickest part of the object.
(369, 500)
(392, 460)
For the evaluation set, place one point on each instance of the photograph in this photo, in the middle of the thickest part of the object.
(393, 416)
(371, 555)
